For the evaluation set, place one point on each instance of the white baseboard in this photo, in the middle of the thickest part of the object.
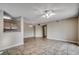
(63, 40)
(1, 49)
(28, 36)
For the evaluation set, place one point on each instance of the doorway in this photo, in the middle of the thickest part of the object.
(44, 31)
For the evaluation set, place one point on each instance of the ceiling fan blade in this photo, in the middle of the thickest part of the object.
(39, 16)
(38, 10)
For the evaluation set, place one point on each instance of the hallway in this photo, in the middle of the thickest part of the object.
(40, 46)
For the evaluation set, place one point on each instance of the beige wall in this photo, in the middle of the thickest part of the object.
(28, 31)
(38, 31)
(1, 21)
(65, 30)
(10, 39)
(1, 27)
(78, 29)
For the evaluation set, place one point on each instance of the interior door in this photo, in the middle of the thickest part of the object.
(44, 28)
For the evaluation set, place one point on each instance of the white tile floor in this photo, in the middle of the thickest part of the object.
(40, 46)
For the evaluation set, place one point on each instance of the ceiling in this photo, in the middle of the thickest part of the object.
(31, 12)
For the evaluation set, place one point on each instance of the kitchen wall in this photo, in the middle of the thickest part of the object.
(64, 30)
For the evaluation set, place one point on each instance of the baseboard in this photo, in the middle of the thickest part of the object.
(65, 41)
(29, 37)
(1, 49)
(32, 37)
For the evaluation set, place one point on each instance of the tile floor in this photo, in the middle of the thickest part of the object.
(40, 46)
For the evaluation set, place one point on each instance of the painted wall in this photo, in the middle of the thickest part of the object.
(28, 31)
(65, 30)
(78, 29)
(10, 39)
(38, 31)
(1, 27)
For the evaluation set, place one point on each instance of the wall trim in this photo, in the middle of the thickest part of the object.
(29, 37)
(11, 46)
(64, 41)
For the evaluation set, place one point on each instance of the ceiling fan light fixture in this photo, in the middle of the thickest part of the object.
(44, 16)
(48, 13)
(53, 14)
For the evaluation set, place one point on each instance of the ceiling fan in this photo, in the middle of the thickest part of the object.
(45, 13)
(48, 13)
